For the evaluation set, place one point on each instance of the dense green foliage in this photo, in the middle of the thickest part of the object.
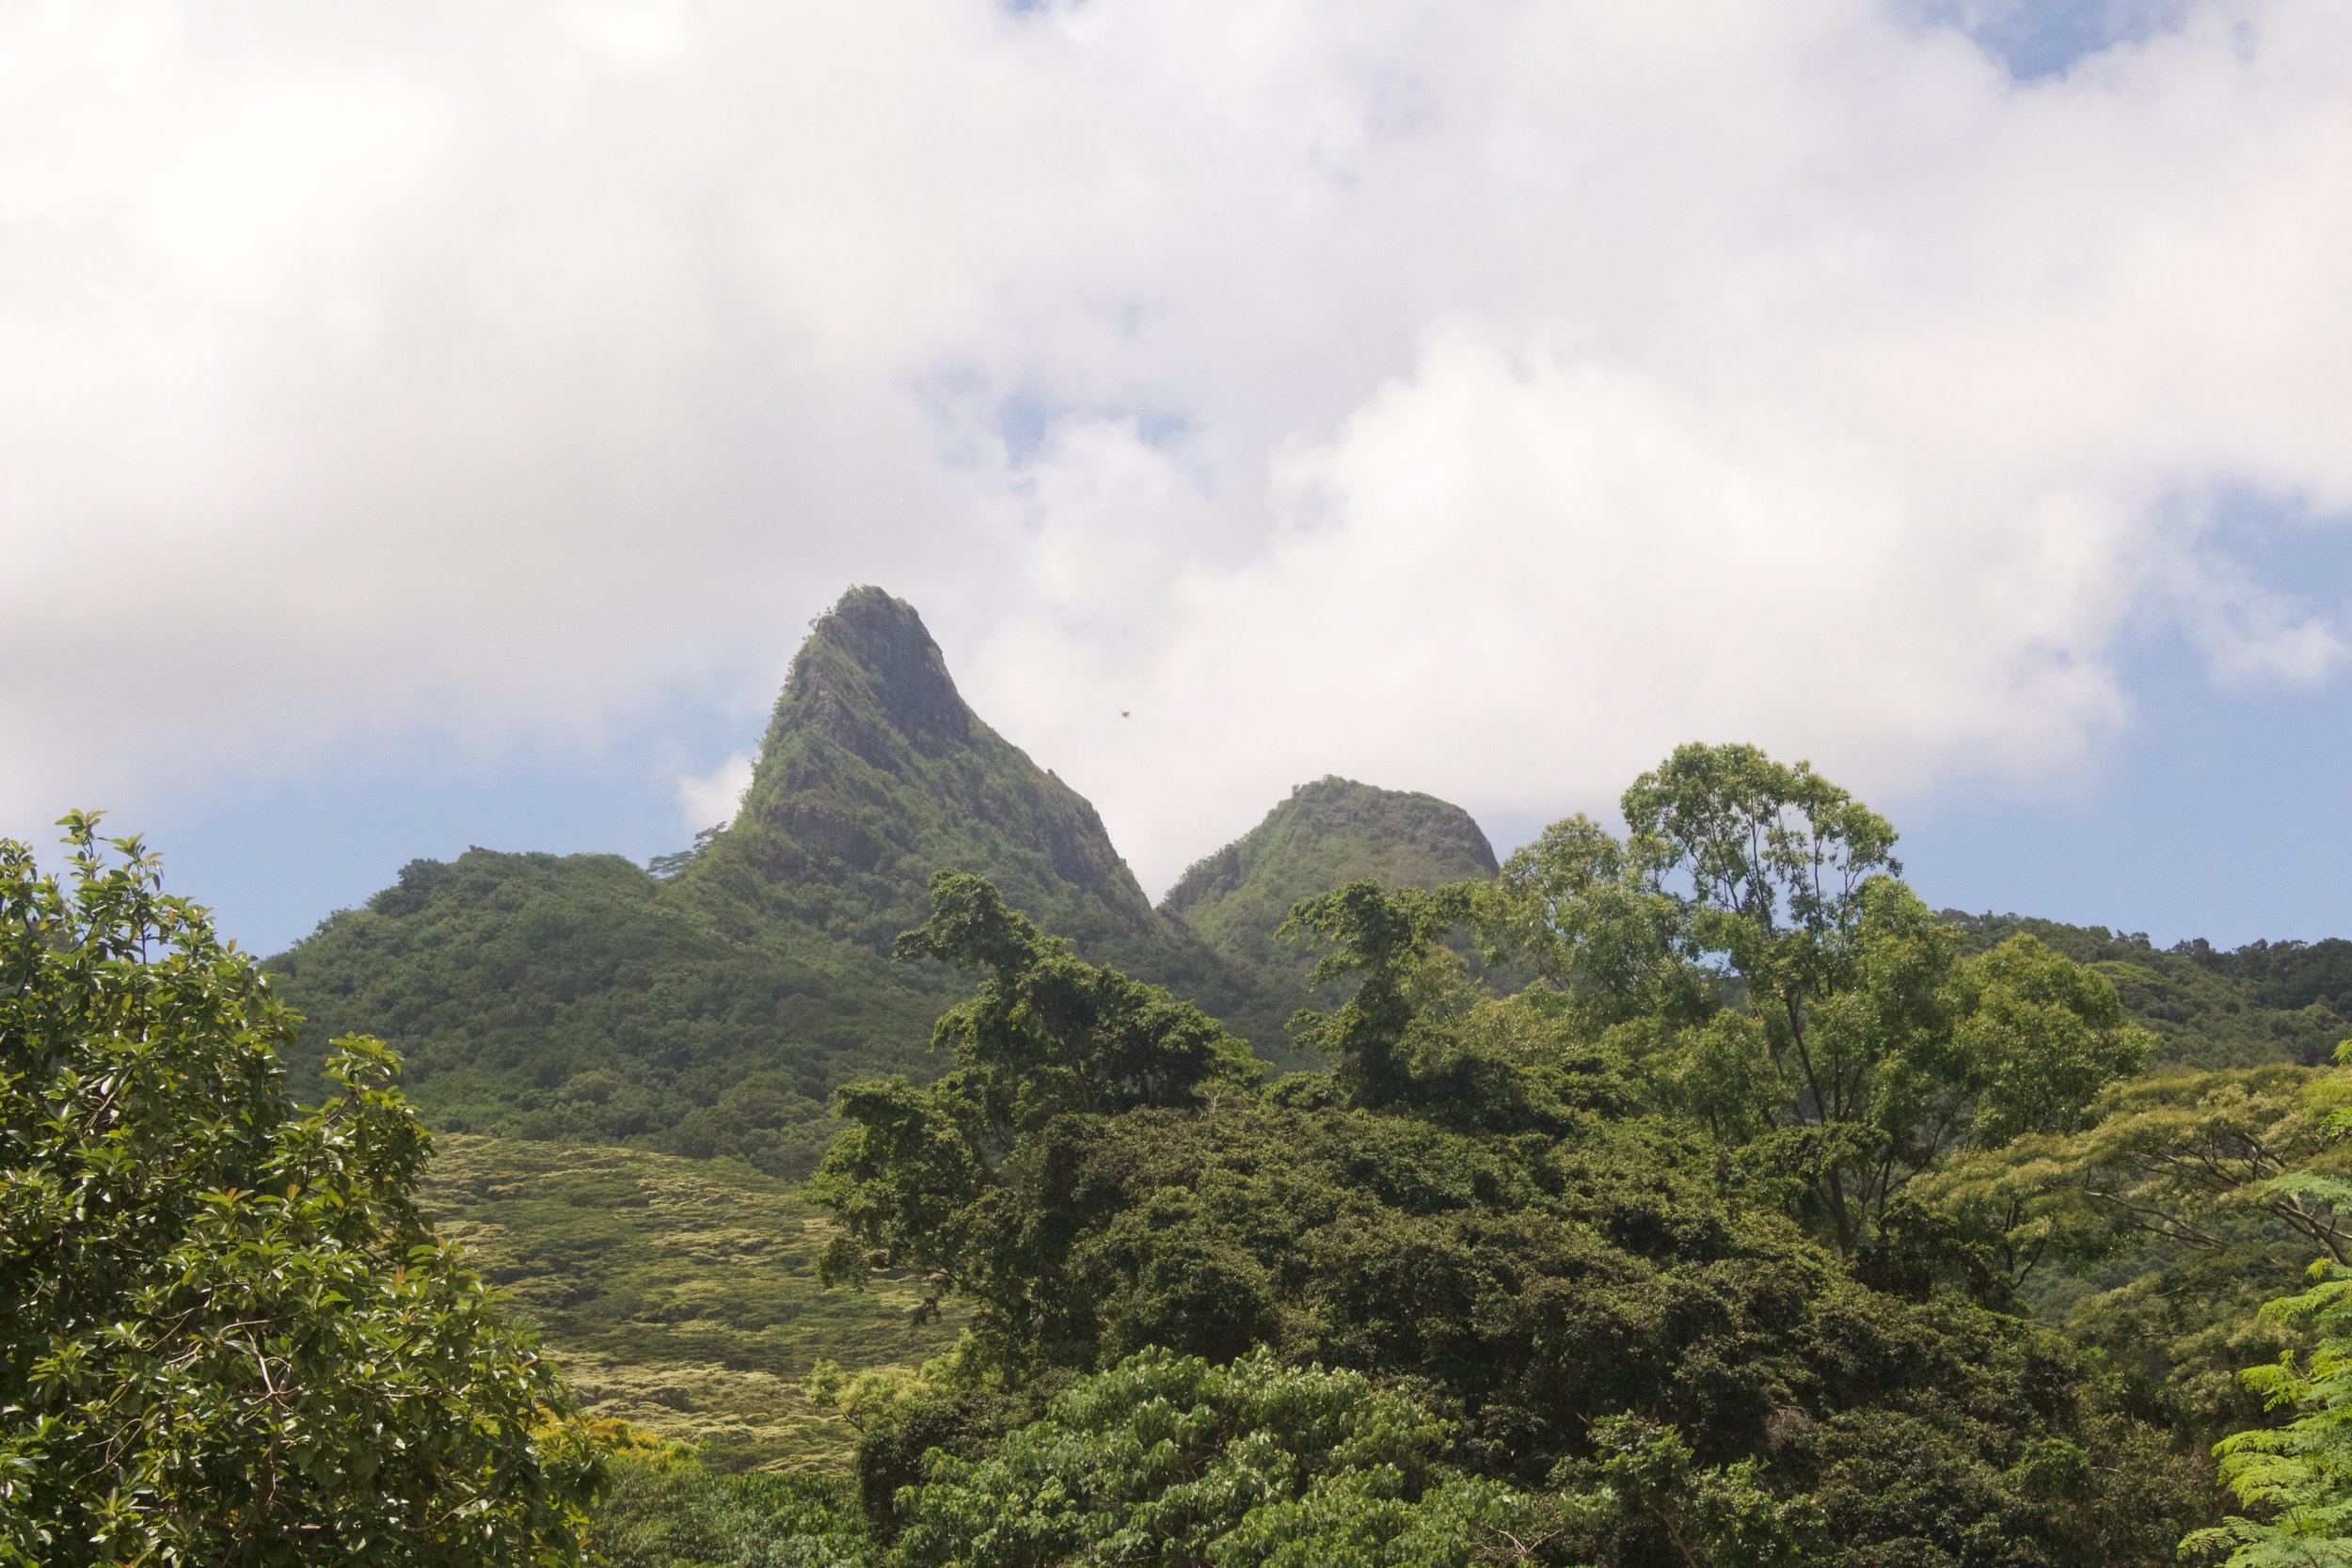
(663, 1508)
(1175, 1461)
(230, 1336)
(1168, 1461)
(1326, 834)
(1750, 946)
(540, 997)
(2156, 1232)
(713, 1010)
(2301, 1474)
(1178, 1460)
(1047, 1035)
(2266, 1001)
(1489, 1201)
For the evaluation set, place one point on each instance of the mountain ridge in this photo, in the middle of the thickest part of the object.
(714, 1010)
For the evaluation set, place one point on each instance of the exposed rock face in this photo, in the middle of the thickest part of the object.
(875, 774)
(1327, 834)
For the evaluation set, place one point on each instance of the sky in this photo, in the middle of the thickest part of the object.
(437, 424)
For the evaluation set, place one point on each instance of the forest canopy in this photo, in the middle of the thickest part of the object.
(1752, 1186)
(1693, 1194)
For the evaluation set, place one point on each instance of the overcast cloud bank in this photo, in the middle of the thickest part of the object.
(1477, 399)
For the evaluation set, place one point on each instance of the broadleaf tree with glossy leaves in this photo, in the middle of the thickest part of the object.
(231, 1337)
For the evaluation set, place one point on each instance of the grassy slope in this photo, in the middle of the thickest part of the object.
(679, 1294)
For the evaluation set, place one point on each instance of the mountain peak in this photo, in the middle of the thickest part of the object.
(875, 773)
(714, 1010)
(869, 673)
(1344, 830)
(1327, 834)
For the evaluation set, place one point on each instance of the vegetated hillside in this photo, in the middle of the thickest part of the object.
(1768, 1217)
(679, 1295)
(2209, 1007)
(1677, 1292)
(714, 1010)
(1327, 834)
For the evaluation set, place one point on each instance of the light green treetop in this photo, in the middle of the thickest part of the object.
(1796, 996)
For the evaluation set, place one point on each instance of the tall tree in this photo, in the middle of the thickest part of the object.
(1805, 1003)
(231, 1337)
(1384, 938)
(1466, 1206)
(917, 1175)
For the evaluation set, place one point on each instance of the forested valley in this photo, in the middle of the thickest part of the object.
(885, 1180)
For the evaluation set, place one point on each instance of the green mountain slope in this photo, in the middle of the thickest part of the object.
(2209, 1007)
(1328, 833)
(715, 1010)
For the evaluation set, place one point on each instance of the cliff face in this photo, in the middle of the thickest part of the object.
(714, 1012)
(1328, 833)
(875, 774)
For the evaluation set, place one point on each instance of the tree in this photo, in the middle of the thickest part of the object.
(2186, 1201)
(1047, 1031)
(2299, 1473)
(1801, 1002)
(1594, 926)
(1167, 1460)
(1420, 1035)
(2187, 1158)
(918, 1173)
(1387, 937)
(1528, 1258)
(2035, 1037)
(232, 1339)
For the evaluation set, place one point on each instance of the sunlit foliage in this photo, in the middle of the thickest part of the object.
(231, 1337)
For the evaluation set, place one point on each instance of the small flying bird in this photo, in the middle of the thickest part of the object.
(1123, 713)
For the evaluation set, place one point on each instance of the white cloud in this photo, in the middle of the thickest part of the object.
(1471, 397)
(1523, 574)
(711, 800)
